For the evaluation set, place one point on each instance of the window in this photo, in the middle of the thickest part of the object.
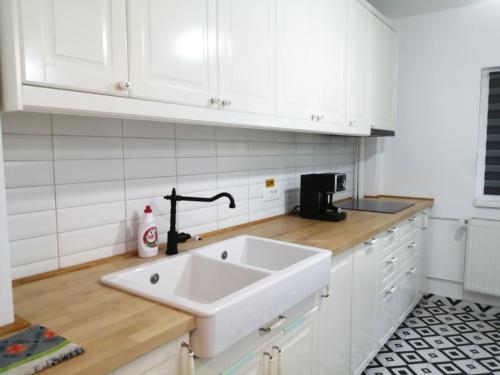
(488, 186)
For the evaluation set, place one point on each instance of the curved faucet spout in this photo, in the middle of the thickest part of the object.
(174, 198)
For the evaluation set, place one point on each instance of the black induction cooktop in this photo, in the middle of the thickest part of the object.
(373, 205)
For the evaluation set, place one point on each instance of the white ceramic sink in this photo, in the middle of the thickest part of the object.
(233, 287)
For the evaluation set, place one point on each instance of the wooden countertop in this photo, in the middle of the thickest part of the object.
(115, 327)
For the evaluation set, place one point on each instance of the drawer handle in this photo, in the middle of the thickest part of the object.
(188, 347)
(414, 218)
(412, 271)
(393, 230)
(412, 245)
(276, 324)
(325, 293)
(392, 290)
(393, 260)
(373, 241)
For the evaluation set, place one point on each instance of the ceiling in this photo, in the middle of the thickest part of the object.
(406, 8)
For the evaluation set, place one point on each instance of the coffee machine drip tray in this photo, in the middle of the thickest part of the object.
(373, 205)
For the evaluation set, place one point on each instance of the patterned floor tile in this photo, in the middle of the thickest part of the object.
(443, 336)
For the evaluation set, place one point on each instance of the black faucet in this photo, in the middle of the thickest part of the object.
(173, 236)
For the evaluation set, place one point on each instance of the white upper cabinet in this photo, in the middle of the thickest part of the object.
(300, 65)
(331, 60)
(74, 44)
(359, 65)
(384, 76)
(295, 77)
(172, 50)
(312, 58)
(247, 55)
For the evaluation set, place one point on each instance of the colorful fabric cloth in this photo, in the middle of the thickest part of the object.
(34, 350)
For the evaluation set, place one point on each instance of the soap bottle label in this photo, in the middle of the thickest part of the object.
(150, 237)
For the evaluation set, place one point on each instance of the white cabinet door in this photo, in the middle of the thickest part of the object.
(331, 60)
(74, 44)
(387, 312)
(295, 353)
(384, 76)
(172, 50)
(359, 66)
(364, 305)
(247, 55)
(296, 94)
(335, 320)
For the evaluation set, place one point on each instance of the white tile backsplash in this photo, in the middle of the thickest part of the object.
(27, 147)
(151, 167)
(90, 126)
(26, 123)
(76, 148)
(73, 218)
(149, 148)
(76, 171)
(148, 129)
(32, 224)
(89, 193)
(28, 173)
(33, 250)
(77, 186)
(30, 199)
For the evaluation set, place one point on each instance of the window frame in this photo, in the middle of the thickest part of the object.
(483, 200)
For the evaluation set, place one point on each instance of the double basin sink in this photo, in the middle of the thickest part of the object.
(233, 287)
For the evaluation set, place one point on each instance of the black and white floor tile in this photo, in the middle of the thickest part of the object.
(443, 336)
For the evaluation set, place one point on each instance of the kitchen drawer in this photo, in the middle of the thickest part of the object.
(388, 270)
(387, 312)
(409, 250)
(411, 226)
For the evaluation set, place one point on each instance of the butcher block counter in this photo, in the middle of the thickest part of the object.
(115, 327)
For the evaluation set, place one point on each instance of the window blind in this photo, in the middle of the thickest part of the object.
(492, 166)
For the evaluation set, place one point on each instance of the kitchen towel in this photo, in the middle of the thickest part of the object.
(34, 350)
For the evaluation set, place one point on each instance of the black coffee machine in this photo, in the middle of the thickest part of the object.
(316, 194)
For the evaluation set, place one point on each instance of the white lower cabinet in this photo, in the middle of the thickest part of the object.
(165, 360)
(289, 346)
(338, 330)
(364, 304)
(335, 319)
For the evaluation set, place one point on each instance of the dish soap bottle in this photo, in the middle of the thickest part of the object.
(147, 239)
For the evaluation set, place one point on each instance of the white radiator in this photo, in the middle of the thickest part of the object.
(482, 259)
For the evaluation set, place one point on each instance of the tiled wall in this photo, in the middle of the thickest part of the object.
(76, 186)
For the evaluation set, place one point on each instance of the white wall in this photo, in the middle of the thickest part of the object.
(77, 186)
(6, 308)
(434, 152)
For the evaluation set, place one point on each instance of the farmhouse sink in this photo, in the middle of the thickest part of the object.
(258, 252)
(233, 287)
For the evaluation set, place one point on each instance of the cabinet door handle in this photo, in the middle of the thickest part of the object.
(393, 260)
(392, 290)
(412, 271)
(393, 230)
(124, 86)
(373, 241)
(325, 293)
(273, 326)
(321, 117)
(412, 219)
(373, 125)
(412, 245)
(352, 122)
(226, 102)
(313, 117)
(278, 356)
(215, 101)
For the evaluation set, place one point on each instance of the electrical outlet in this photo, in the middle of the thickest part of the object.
(270, 192)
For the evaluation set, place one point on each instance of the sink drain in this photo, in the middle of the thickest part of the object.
(154, 278)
